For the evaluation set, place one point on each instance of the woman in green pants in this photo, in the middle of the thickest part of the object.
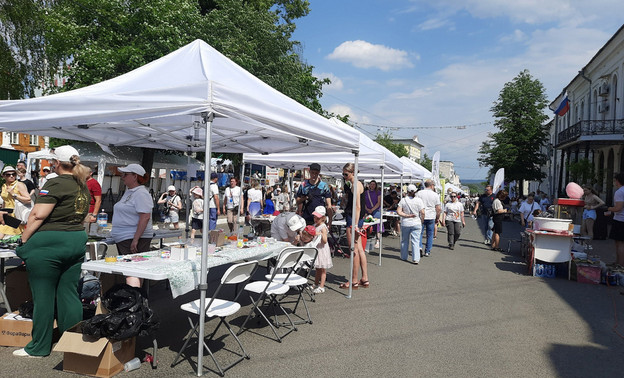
(53, 249)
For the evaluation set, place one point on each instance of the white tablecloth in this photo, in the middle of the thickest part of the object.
(183, 275)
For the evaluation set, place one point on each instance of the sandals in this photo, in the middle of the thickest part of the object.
(345, 285)
(364, 284)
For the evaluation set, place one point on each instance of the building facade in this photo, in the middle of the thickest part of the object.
(22, 142)
(413, 146)
(447, 171)
(588, 138)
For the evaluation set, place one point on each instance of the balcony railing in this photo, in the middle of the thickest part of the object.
(587, 128)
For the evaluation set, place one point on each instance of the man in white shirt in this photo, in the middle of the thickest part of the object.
(215, 209)
(231, 202)
(526, 211)
(286, 227)
(431, 200)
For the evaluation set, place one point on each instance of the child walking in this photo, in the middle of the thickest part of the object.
(323, 259)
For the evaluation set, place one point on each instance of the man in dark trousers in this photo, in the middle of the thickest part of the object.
(485, 203)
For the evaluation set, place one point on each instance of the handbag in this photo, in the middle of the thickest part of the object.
(21, 211)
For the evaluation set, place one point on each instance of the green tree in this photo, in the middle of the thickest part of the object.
(21, 49)
(520, 117)
(385, 140)
(426, 162)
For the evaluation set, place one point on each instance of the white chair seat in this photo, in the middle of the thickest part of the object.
(218, 307)
(275, 288)
(293, 280)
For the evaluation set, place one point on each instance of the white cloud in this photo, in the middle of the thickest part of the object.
(434, 23)
(336, 82)
(344, 110)
(363, 54)
(516, 36)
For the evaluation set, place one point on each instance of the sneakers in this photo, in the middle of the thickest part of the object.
(452, 246)
(319, 290)
(22, 353)
(415, 262)
(427, 254)
(377, 244)
(487, 242)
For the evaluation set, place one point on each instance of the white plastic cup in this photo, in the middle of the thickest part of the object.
(133, 364)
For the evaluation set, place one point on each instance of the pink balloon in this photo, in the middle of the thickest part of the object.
(574, 190)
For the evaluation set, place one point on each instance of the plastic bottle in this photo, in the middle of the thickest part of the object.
(102, 219)
(133, 364)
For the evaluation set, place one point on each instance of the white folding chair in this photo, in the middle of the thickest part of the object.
(298, 281)
(220, 308)
(269, 290)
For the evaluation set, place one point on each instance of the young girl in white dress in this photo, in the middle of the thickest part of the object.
(323, 259)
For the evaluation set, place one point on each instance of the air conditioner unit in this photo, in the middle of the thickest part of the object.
(604, 107)
(603, 90)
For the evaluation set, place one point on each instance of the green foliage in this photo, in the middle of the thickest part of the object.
(581, 171)
(21, 51)
(385, 140)
(520, 117)
(426, 162)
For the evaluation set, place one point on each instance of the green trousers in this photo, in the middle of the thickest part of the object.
(53, 260)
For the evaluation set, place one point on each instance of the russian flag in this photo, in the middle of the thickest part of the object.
(563, 107)
(43, 192)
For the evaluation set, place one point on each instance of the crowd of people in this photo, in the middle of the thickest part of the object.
(68, 198)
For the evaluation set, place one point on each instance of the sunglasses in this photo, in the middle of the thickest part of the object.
(345, 174)
(453, 196)
(10, 174)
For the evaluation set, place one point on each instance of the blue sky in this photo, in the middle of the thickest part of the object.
(432, 63)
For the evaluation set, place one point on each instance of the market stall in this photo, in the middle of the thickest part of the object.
(193, 99)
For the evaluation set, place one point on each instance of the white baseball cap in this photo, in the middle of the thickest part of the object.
(64, 153)
(296, 223)
(411, 188)
(133, 168)
(319, 211)
(171, 188)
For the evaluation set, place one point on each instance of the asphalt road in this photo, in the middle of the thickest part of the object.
(470, 312)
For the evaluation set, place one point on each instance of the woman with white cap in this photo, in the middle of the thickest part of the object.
(173, 204)
(12, 190)
(197, 217)
(411, 209)
(132, 216)
(53, 250)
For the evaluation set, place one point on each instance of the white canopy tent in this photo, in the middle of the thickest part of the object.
(373, 161)
(454, 188)
(191, 99)
(122, 155)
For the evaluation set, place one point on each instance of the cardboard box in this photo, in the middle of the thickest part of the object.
(91, 356)
(588, 274)
(217, 237)
(15, 332)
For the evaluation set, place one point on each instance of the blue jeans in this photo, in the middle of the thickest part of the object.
(488, 225)
(411, 235)
(429, 226)
(212, 221)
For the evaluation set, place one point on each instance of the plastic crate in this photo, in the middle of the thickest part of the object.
(545, 270)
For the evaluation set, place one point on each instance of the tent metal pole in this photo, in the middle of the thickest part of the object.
(188, 195)
(203, 278)
(381, 217)
(241, 202)
(354, 221)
